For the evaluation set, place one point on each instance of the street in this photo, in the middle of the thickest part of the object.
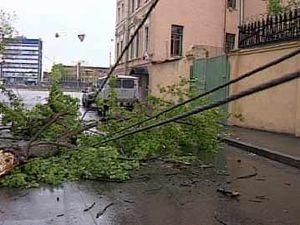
(167, 194)
(188, 112)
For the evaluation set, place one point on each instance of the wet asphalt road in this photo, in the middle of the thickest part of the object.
(31, 98)
(166, 194)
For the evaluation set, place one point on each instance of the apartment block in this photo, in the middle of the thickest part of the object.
(21, 61)
(176, 33)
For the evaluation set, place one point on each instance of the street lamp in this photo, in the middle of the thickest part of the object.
(110, 52)
(81, 38)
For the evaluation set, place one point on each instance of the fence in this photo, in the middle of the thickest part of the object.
(271, 29)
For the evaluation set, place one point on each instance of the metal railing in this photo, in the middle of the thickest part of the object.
(271, 29)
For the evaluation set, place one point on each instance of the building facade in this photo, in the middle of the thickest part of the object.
(83, 74)
(77, 75)
(22, 61)
(175, 34)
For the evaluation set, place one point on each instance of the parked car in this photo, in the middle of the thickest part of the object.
(126, 90)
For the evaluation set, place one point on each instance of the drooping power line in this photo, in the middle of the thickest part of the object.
(227, 84)
(267, 85)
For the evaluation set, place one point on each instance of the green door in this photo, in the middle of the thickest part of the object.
(209, 73)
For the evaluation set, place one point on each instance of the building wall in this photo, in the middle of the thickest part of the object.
(165, 74)
(277, 109)
(253, 9)
(203, 23)
(84, 74)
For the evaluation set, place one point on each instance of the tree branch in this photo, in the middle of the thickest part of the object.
(47, 125)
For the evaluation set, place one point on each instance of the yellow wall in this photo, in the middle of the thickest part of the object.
(277, 109)
(165, 74)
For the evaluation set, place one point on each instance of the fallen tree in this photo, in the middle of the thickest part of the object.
(49, 143)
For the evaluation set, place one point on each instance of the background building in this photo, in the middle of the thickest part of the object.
(22, 61)
(83, 74)
(77, 75)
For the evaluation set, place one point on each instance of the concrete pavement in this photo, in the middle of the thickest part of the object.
(280, 147)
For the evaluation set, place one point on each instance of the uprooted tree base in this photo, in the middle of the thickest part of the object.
(49, 143)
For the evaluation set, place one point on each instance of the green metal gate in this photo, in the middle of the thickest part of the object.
(209, 73)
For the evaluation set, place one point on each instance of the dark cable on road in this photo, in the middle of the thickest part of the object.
(246, 75)
(267, 85)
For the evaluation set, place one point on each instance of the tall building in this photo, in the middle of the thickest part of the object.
(21, 61)
(175, 33)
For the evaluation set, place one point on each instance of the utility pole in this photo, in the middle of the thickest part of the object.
(110, 59)
(78, 70)
(110, 52)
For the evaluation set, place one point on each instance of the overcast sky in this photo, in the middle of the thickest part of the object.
(43, 18)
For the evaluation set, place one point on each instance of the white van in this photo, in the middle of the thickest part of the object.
(127, 90)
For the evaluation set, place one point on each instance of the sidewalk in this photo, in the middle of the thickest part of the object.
(279, 147)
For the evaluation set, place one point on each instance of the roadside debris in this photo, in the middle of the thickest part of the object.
(261, 197)
(90, 207)
(256, 201)
(247, 176)
(228, 193)
(128, 201)
(104, 210)
(219, 220)
(7, 162)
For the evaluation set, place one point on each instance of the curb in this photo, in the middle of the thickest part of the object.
(265, 152)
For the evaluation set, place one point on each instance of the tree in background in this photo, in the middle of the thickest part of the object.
(274, 7)
(6, 27)
(58, 72)
(278, 6)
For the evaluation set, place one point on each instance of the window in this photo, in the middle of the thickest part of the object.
(176, 40)
(118, 50)
(119, 15)
(131, 55)
(231, 4)
(118, 83)
(137, 45)
(132, 5)
(146, 38)
(123, 12)
(100, 83)
(138, 5)
(230, 42)
(127, 83)
(121, 48)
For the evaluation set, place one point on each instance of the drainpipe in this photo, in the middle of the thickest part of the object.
(241, 21)
(127, 35)
(225, 23)
(242, 12)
